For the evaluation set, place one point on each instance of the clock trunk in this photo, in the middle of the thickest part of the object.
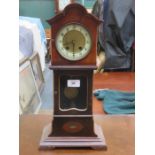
(73, 103)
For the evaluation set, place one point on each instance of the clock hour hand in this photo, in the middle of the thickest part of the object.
(67, 43)
(72, 43)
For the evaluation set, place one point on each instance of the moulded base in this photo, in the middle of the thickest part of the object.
(70, 142)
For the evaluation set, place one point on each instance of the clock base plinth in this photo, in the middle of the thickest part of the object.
(47, 142)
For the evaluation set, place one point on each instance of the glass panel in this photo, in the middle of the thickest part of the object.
(73, 93)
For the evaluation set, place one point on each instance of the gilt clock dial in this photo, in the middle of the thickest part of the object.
(73, 42)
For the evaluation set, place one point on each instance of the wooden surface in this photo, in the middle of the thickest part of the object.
(124, 81)
(48, 33)
(118, 131)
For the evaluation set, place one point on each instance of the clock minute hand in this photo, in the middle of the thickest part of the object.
(73, 43)
(73, 48)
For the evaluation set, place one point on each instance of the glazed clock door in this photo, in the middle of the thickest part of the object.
(73, 93)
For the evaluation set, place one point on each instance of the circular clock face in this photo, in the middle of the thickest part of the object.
(73, 42)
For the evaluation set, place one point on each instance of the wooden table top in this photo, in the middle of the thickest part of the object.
(123, 81)
(118, 131)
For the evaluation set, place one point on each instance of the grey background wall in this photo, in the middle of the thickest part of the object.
(44, 9)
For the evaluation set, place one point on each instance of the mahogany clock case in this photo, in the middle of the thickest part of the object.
(74, 14)
(73, 119)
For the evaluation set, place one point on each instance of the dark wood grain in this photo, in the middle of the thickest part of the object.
(77, 67)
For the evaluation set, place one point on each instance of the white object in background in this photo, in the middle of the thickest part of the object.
(29, 97)
(36, 40)
(63, 4)
(21, 56)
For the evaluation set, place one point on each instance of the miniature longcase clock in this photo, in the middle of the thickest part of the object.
(73, 59)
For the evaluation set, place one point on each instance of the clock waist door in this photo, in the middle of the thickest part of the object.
(73, 92)
(73, 95)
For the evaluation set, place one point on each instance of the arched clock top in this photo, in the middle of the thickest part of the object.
(71, 8)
